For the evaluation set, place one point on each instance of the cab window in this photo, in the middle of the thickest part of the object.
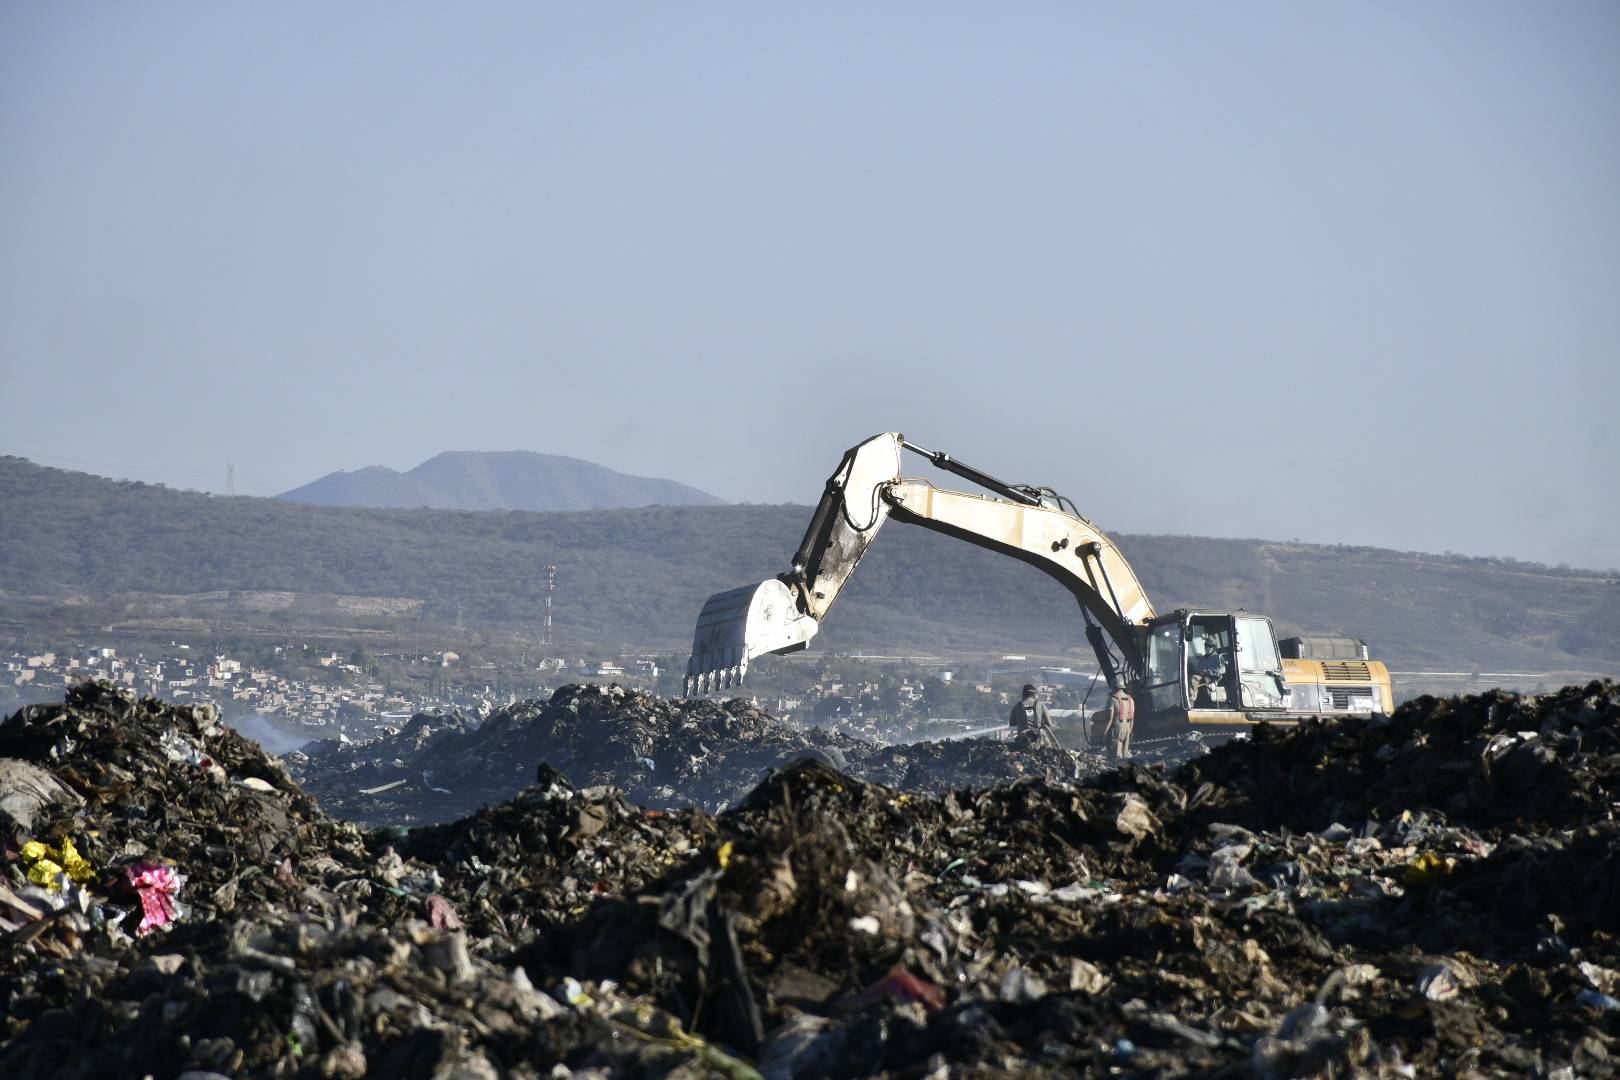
(1259, 667)
(1164, 655)
(1164, 671)
(1255, 649)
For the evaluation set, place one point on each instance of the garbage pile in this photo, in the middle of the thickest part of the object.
(936, 767)
(143, 798)
(1433, 893)
(661, 753)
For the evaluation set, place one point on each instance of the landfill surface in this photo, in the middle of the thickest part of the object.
(1432, 893)
(662, 753)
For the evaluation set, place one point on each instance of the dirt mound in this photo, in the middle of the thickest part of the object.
(1396, 899)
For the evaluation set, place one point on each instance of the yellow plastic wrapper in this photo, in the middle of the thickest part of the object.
(1428, 868)
(77, 866)
(48, 863)
(45, 872)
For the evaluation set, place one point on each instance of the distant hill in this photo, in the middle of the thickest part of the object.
(638, 577)
(497, 480)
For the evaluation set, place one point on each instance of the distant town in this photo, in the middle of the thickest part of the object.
(288, 694)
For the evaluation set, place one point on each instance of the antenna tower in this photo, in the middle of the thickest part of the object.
(230, 478)
(551, 587)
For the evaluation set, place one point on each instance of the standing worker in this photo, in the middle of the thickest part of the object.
(1113, 728)
(1121, 721)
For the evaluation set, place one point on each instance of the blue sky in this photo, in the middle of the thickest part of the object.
(1346, 273)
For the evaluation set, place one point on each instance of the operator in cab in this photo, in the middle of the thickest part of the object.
(1207, 666)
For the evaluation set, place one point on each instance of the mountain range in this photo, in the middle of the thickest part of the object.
(497, 480)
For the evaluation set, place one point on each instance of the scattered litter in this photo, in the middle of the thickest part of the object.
(47, 865)
(661, 753)
(1247, 913)
(159, 889)
(1591, 999)
(442, 913)
(900, 985)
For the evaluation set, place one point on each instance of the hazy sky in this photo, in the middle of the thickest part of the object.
(1341, 272)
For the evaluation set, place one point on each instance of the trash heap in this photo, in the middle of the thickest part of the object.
(148, 797)
(950, 764)
(663, 753)
(1435, 893)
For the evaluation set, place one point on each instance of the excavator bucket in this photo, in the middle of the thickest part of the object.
(736, 626)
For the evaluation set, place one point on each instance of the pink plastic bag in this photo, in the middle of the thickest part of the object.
(159, 889)
(442, 914)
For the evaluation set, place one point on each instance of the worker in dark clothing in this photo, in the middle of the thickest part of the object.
(1028, 714)
(1032, 726)
(1208, 670)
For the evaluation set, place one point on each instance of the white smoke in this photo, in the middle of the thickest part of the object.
(265, 732)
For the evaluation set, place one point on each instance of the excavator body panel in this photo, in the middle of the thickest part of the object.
(1224, 670)
(1338, 687)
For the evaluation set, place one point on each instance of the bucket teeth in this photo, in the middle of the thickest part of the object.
(709, 674)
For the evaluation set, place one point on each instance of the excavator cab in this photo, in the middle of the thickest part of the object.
(1212, 668)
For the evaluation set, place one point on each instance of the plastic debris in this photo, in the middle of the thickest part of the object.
(1591, 999)
(442, 914)
(850, 927)
(159, 890)
(1439, 983)
(25, 791)
(900, 985)
(1428, 868)
(48, 865)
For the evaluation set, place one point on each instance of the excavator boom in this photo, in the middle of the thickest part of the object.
(783, 613)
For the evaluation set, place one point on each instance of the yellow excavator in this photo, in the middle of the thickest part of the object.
(1190, 669)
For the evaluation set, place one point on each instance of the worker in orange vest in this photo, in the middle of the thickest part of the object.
(1121, 721)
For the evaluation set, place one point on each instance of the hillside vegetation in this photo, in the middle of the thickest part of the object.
(640, 576)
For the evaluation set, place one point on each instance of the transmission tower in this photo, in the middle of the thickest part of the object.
(551, 587)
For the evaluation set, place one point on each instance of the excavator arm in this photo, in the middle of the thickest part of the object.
(782, 614)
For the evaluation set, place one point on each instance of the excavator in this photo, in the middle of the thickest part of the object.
(1190, 670)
